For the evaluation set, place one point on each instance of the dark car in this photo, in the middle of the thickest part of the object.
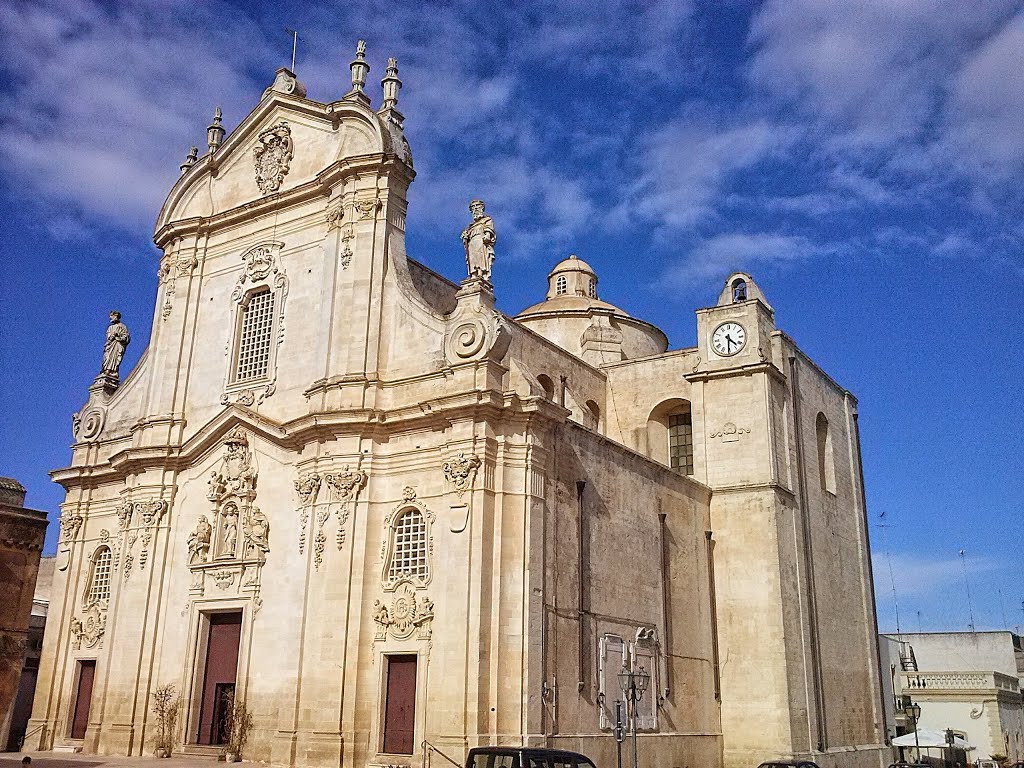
(526, 757)
(789, 764)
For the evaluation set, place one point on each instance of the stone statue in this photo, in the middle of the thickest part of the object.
(230, 529)
(478, 239)
(113, 348)
(199, 541)
(257, 535)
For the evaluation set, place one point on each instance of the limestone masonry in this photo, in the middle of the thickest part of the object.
(391, 519)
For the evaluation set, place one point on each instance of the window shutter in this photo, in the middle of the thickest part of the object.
(611, 657)
(647, 709)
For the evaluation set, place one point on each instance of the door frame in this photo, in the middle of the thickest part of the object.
(422, 660)
(76, 691)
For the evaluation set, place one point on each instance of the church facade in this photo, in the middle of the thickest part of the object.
(393, 521)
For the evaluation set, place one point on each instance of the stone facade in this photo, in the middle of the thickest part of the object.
(21, 542)
(371, 476)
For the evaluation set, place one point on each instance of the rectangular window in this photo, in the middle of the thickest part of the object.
(83, 698)
(680, 442)
(612, 656)
(400, 705)
(257, 326)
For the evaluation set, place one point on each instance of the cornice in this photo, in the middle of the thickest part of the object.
(769, 369)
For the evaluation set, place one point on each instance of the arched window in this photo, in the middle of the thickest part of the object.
(826, 460)
(739, 290)
(409, 547)
(592, 288)
(593, 415)
(547, 385)
(99, 583)
(670, 435)
(561, 285)
(256, 325)
(680, 441)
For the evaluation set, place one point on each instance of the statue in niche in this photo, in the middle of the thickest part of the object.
(199, 541)
(230, 530)
(257, 535)
(114, 346)
(478, 239)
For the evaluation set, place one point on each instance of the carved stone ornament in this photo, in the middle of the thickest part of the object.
(88, 424)
(729, 432)
(345, 487)
(460, 471)
(406, 615)
(234, 538)
(70, 524)
(307, 487)
(475, 331)
(272, 157)
(478, 241)
(367, 209)
(88, 631)
(335, 215)
(146, 517)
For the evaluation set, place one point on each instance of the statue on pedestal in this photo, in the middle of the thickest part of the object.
(478, 239)
(113, 348)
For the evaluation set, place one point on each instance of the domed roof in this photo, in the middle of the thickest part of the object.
(572, 264)
(571, 304)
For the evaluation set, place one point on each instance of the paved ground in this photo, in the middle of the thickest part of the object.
(68, 760)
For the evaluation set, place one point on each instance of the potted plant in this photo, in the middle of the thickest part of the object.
(237, 724)
(165, 706)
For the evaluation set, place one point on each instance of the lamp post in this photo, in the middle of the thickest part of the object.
(633, 681)
(913, 711)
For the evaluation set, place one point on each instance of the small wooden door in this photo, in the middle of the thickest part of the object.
(83, 698)
(400, 706)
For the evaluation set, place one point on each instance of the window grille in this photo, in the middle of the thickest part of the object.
(409, 548)
(99, 589)
(256, 330)
(592, 289)
(561, 285)
(680, 442)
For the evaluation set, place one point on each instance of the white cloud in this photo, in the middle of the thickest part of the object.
(723, 253)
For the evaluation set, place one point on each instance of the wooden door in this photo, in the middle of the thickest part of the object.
(83, 698)
(219, 673)
(400, 705)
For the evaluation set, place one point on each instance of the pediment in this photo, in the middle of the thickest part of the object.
(213, 432)
(283, 145)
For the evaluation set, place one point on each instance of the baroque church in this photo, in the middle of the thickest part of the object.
(397, 523)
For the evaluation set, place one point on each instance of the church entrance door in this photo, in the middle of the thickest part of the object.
(219, 673)
(400, 706)
(83, 698)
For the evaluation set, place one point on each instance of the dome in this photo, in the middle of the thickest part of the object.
(573, 317)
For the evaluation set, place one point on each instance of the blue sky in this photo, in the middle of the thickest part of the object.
(864, 161)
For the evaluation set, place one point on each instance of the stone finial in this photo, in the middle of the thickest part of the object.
(215, 131)
(390, 84)
(359, 69)
(193, 155)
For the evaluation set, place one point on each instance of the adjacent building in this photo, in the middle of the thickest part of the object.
(967, 682)
(21, 542)
(395, 521)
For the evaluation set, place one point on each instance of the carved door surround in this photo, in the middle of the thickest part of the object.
(229, 545)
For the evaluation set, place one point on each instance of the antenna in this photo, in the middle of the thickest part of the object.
(1002, 609)
(967, 587)
(295, 42)
(892, 577)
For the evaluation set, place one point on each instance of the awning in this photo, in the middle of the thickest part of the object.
(928, 738)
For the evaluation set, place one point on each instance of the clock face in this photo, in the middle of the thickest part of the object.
(728, 339)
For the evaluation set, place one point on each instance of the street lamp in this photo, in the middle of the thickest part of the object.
(913, 711)
(633, 681)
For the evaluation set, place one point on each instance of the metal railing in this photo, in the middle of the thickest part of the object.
(429, 748)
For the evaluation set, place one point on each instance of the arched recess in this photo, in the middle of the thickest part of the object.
(592, 416)
(670, 435)
(547, 385)
(826, 458)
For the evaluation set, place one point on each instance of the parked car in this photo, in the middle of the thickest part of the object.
(528, 757)
(789, 764)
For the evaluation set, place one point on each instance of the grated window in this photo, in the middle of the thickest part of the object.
(561, 285)
(99, 589)
(680, 442)
(409, 551)
(257, 327)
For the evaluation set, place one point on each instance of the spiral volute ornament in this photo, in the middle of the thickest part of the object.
(91, 424)
(467, 340)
